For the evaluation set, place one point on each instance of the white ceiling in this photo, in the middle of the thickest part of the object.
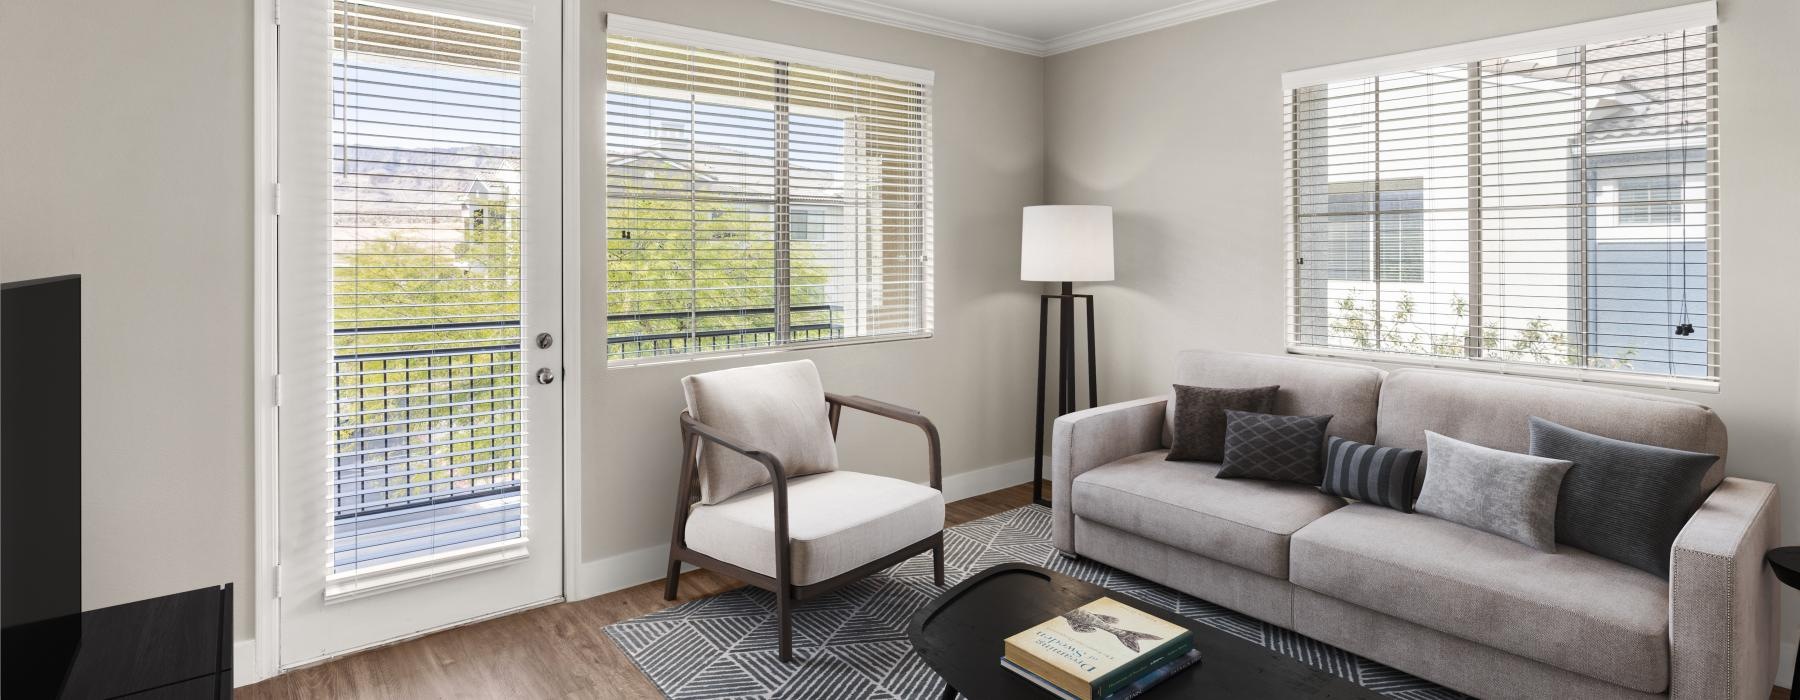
(1036, 27)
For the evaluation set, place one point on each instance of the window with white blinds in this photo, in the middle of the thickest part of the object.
(760, 195)
(428, 420)
(1550, 211)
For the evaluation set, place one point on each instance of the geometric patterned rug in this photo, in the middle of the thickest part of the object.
(851, 644)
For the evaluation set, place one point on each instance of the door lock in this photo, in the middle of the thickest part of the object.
(545, 340)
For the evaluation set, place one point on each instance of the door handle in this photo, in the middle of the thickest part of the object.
(545, 375)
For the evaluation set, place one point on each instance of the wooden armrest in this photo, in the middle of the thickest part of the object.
(899, 413)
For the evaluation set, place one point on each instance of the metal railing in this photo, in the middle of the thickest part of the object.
(651, 344)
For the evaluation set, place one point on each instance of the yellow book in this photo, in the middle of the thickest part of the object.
(1097, 648)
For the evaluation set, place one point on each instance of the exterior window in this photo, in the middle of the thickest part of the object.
(1649, 201)
(757, 199)
(1549, 211)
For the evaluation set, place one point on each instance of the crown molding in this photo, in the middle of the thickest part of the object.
(869, 11)
(1147, 22)
(921, 22)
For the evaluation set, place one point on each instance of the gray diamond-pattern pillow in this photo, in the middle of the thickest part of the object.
(1274, 448)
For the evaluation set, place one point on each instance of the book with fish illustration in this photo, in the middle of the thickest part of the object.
(1094, 651)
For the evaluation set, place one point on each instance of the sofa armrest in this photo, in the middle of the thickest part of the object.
(1723, 604)
(1086, 439)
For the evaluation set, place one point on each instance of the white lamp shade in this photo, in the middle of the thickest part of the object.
(1067, 243)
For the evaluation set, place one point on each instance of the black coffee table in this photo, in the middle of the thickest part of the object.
(962, 635)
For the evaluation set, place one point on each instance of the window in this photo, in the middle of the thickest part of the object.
(761, 195)
(1648, 201)
(427, 412)
(1533, 202)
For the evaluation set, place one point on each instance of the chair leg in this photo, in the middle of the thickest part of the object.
(672, 587)
(784, 609)
(937, 563)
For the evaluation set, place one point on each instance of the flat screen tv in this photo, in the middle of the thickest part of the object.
(40, 484)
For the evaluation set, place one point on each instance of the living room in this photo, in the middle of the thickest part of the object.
(755, 397)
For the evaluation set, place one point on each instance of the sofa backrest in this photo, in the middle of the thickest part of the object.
(1494, 411)
(1346, 392)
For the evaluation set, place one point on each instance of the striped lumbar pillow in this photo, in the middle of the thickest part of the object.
(1383, 476)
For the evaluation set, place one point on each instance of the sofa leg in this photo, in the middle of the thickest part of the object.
(1071, 556)
(784, 609)
(672, 586)
(937, 562)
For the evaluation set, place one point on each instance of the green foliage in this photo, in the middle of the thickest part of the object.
(1398, 331)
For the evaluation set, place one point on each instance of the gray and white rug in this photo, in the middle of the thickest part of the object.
(852, 643)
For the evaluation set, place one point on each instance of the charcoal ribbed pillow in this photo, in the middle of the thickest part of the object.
(1383, 476)
(1273, 448)
(1199, 429)
(1622, 500)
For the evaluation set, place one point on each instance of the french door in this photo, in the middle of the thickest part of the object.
(419, 226)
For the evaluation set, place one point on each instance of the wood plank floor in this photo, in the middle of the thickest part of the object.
(556, 651)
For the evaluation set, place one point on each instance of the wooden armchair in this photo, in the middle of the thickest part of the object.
(761, 498)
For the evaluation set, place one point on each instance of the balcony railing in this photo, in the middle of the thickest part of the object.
(630, 345)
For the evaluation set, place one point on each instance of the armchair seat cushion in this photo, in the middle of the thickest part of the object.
(1242, 522)
(837, 521)
(1569, 609)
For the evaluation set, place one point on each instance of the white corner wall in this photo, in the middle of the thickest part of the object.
(126, 158)
(1180, 130)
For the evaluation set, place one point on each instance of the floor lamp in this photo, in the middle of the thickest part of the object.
(1066, 244)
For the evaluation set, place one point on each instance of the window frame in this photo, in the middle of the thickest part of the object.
(1670, 20)
(785, 204)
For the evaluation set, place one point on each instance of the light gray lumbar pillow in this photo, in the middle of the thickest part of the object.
(1505, 493)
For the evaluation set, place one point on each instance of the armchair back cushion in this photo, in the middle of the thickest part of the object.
(776, 408)
(1309, 387)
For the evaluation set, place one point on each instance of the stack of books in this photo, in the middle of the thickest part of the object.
(1105, 650)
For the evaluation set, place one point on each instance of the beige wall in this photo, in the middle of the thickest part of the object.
(1180, 130)
(126, 159)
(974, 378)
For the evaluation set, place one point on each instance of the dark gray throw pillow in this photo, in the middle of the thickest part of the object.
(1622, 500)
(1383, 476)
(1273, 448)
(1199, 430)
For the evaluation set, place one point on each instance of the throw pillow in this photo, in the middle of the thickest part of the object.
(1505, 493)
(1383, 476)
(1200, 419)
(1273, 448)
(1622, 500)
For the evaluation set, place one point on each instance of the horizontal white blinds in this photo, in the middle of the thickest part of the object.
(754, 202)
(1554, 208)
(428, 421)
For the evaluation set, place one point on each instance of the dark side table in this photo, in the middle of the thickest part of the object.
(1786, 563)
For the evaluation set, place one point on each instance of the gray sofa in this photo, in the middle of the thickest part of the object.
(1463, 608)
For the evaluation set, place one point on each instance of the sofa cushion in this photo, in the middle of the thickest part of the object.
(1495, 412)
(1237, 521)
(1571, 609)
(837, 521)
(1309, 387)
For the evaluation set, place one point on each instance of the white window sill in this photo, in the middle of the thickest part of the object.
(411, 572)
(768, 350)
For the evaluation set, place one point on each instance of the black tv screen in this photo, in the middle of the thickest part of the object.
(40, 482)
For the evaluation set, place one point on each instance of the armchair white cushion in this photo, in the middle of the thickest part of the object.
(837, 521)
(778, 408)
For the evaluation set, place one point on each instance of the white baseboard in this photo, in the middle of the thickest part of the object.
(1784, 673)
(622, 571)
(244, 669)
